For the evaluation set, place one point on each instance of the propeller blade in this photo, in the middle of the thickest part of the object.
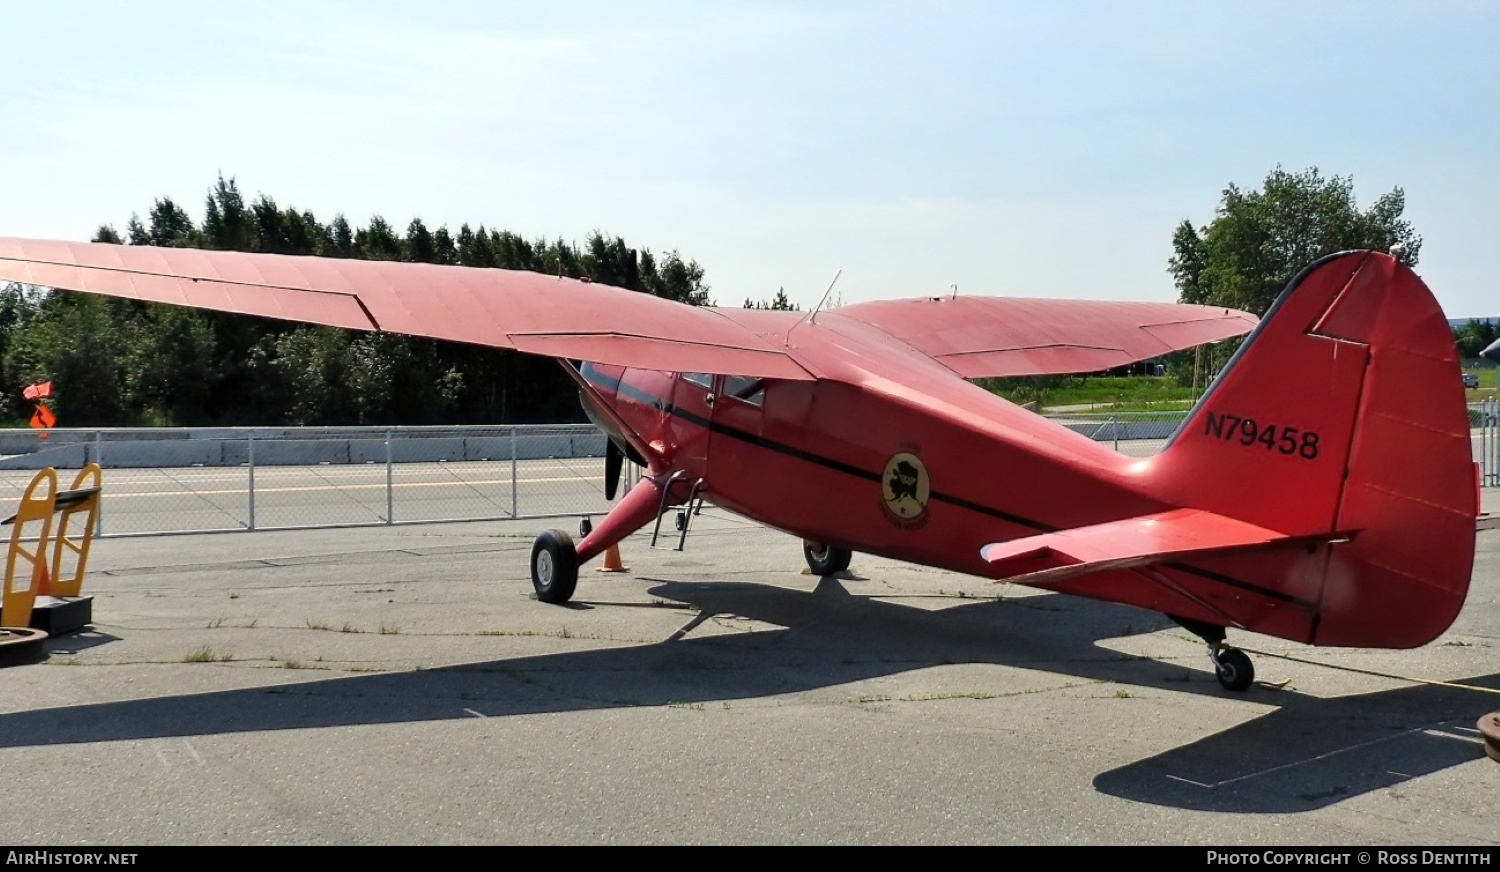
(613, 461)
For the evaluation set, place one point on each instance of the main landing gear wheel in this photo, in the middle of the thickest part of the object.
(826, 559)
(1234, 669)
(554, 567)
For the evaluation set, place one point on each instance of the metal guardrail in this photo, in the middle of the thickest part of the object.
(236, 479)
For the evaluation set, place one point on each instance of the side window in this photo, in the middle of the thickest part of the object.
(746, 389)
(701, 379)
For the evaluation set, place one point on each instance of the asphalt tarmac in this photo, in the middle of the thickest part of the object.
(400, 685)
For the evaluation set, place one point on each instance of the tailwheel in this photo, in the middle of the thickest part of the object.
(824, 559)
(1233, 669)
(554, 567)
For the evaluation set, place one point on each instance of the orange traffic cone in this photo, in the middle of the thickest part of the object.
(612, 562)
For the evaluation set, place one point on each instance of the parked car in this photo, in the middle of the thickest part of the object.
(1471, 380)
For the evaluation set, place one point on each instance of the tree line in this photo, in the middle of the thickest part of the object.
(120, 362)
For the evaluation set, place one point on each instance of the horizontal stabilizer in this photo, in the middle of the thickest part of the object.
(1139, 541)
(985, 337)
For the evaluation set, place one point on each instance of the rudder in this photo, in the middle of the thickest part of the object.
(1343, 413)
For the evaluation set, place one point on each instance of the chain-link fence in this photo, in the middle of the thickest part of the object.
(1483, 419)
(1140, 434)
(222, 479)
(211, 480)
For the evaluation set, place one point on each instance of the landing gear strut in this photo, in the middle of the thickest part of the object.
(555, 558)
(1231, 665)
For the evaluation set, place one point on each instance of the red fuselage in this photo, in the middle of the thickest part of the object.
(886, 454)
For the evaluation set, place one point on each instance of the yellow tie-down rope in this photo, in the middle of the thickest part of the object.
(1407, 678)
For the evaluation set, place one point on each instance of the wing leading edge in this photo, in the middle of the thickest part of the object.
(524, 311)
(973, 336)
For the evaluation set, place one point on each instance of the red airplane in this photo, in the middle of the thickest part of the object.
(1321, 491)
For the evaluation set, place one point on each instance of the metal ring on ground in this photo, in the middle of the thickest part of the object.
(19, 646)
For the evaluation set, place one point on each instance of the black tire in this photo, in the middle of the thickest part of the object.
(826, 559)
(554, 567)
(1234, 669)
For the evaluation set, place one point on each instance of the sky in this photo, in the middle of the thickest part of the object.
(1008, 148)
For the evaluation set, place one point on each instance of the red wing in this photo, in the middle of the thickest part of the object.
(1132, 542)
(984, 337)
(499, 308)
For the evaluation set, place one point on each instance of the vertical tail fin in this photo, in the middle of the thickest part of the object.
(1344, 413)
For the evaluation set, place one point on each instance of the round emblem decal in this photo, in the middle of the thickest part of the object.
(905, 486)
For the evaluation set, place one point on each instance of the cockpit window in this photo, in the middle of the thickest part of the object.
(701, 379)
(750, 390)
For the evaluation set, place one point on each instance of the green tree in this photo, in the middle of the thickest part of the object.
(75, 340)
(1260, 240)
(443, 247)
(168, 359)
(420, 245)
(378, 241)
(780, 302)
(19, 308)
(316, 363)
(227, 224)
(340, 238)
(1474, 337)
(680, 280)
(171, 226)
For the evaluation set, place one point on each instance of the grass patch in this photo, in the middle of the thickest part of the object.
(350, 628)
(1113, 393)
(207, 654)
(968, 694)
(389, 628)
(317, 625)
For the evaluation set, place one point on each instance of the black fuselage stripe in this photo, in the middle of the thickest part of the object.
(849, 469)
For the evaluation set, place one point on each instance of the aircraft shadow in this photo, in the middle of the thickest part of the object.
(827, 638)
(1311, 753)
